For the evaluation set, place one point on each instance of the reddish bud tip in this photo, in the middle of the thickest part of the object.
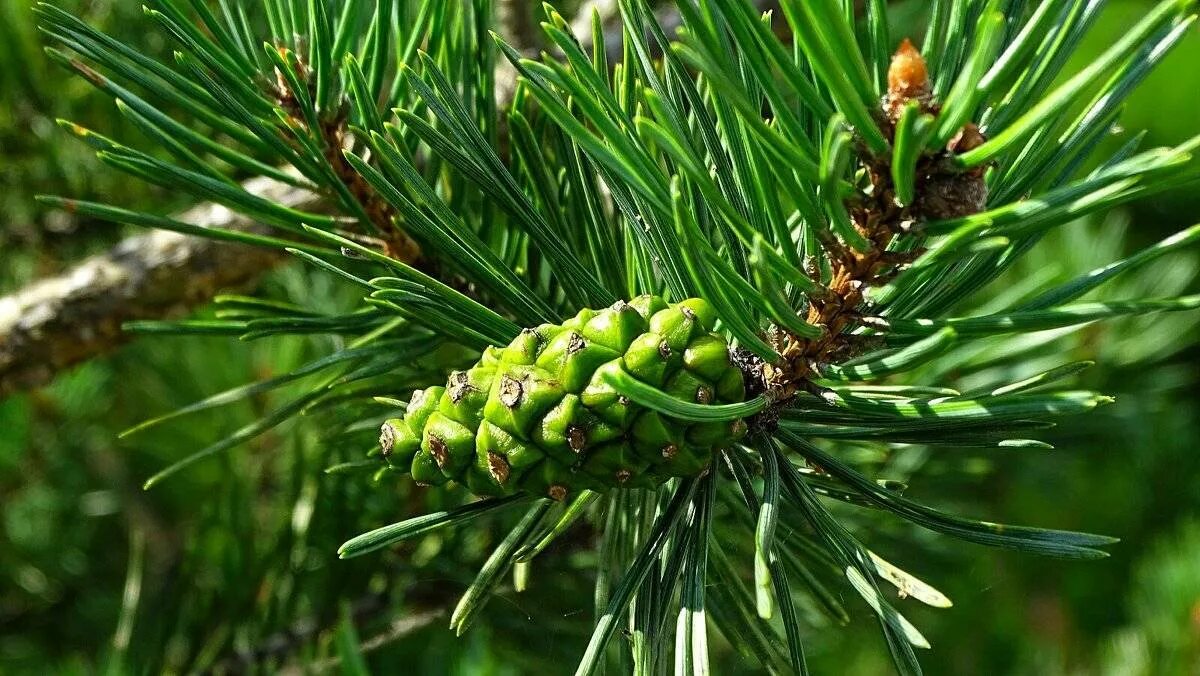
(908, 77)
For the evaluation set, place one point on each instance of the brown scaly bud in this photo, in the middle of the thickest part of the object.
(954, 195)
(908, 79)
(968, 138)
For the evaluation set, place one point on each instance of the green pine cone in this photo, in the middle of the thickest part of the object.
(537, 416)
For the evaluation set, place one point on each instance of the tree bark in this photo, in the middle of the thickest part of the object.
(57, 322)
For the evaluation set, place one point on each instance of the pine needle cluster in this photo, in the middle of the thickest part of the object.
(823, 199)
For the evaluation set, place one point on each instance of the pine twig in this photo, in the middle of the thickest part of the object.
(58, 322)
(400, 627)
(281, 647)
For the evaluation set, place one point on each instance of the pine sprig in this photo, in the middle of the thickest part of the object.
(835, 203)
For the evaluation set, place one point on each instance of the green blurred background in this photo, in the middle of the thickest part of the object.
(231, 566)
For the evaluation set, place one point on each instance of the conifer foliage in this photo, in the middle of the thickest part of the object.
(663, 293)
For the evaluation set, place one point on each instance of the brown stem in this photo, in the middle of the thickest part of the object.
(941, 193)
(63, 320)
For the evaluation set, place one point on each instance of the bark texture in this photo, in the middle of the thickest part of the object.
(60, 321)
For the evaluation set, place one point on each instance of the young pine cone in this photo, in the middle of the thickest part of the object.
(537, 415)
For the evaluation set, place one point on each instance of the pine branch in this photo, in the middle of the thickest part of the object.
(57, 322)
(401, 627)
(282, 645)
(790, 226)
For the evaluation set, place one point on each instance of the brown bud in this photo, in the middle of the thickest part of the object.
(738, 429)
(953, 196)
(968, 138)
(908, 78)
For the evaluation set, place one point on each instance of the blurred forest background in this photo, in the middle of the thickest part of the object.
(231, 566)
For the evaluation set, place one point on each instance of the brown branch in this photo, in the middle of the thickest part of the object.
(60, 321)
(399, 628)
(282, 645)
